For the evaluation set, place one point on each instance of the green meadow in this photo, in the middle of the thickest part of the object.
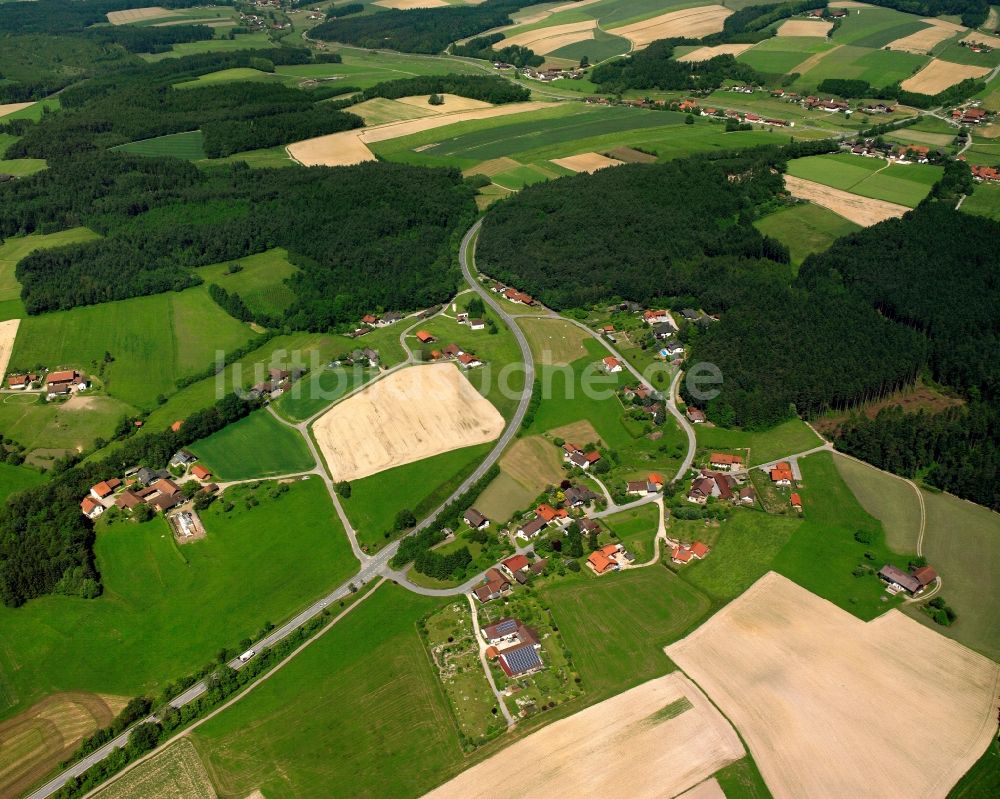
(805, 228)
(876, 27)
(784, 439)
(781, 54)
(227, 76)
(168, 608)
(319, 389)
(985, 201)
(189, 145)
(243, 41)
(256, 446)
(152, 340)
(17, 478)
(635, 529)
(364, 68)
(262, 281)
(363, 693)
(905, 184)
(266, 158)
(878, 67)
(22, 167)
(603, 46)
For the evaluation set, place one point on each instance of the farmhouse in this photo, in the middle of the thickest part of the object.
(548, 514)
(477, 324)
(661, 317)
(469, 361)
(695, 416)
(898, 580)
(476, 520)
(989, 174)
(520, 660)
(496, 585)
(747, 495)
(721, 460)
(91, 508)
(518, 296)
(514, 564)
(604, 560)
(424, 337)
(612, 365)
(589, 526)
(796, 502)
(583, 460)
(643, 487)
(509, 632)
(59, 384)
(128, 500)
(781, 474)
(530, 529)
(21, 382)
(925, 575)
(105, 488)
(577, 496)
(684, 554)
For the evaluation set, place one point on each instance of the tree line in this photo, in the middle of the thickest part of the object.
(71, 16)
(482, 47)
(488, 88)
(656, 68)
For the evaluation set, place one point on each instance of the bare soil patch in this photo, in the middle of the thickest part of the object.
(860, 210)
(580, 433)
(633, 744)
(912, 399)
(586, 162)
(407, 4)
(805, 27)
(8, 332)
(546, 40)
(939, 75)
(452, 102)
(705, 53)
(408, 416)
(709, 789)
(818, 694)
(33, 742)
(924, 41)
(10, 108)
(691, 22)
(351, 146)
(138, 14)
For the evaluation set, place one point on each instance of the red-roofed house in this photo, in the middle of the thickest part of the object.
(200, 472)
(369, 319)
(796, 501)
(600, 562)
(91, 508)
(424, 337)
(515, 563)
(781, 477)
(469, 361)
(612, 365)
(722, 460)
(105, 488)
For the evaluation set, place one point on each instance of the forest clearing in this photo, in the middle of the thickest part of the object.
(862, 211)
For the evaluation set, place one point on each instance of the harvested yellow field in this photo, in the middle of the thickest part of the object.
(924, 41)
(586, 162)
(492, 167)
(10, 108)
(862, 211)
(709, 789)
(691, 22)
(831, 706)
(655, 740)
(380, 111)
(175, 773)
(408, 416)
(534, 462)
(8, 332)
(978, 37)
(705, 53)
(805, 27)
(407, 4)
(546, 40)
(580, 433)
(33, 742)
(452, 102)
(939, 75)
(138, 14)
(350, 146)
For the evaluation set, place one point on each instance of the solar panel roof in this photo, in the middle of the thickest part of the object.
(523, 659)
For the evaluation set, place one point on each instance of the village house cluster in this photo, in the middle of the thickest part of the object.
(450, 352)
(277, 383)
(499, 579)
(510, 294)
(370, 322)
(55, 384)
(546, 75)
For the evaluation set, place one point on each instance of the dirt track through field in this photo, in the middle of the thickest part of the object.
(586, 162)
(805, 27)
(655, 740)
(831, 706)
(545, 40)
(939, 75)
(10, 108)
(408, 416)
(690, 22)
(705, 53)
(814, 59)
(8, 332)
(862, 211)
(924, 41)
(351, 146)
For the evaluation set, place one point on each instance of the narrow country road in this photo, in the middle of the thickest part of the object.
(486, 666)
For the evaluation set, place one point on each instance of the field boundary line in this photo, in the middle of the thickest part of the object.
(250, 687)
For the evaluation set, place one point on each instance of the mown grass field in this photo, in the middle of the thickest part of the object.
(262, 281)
(16, 248)
(876, 27)
(227, 76)
(554, 341)
(419, 486)
(266, 158)
(319, 389)
(616, 626)
(822, 552)
(153, 340)
(243, 41)
(189, 146)
(22, 167)
(878, 67)
(786, 438)
(781, 54)
(363, 694)
(889, 499)
(174, 773)
(906, 184)
(257, 446)
(366, 68)
(635, 529)
(17, 478)
(805, 228)
(255, 565)
(985, 201)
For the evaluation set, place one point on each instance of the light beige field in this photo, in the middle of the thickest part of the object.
(983, 38)
(492, 167)
(655, 740)
(406, 4)
(705, 53)
(545, 40)
(924, 41)
(380, 111)
(350, 146)
(862, 211)
(691, 22)
(408, 416)
(8, 332)
(138, 14)
(586, 162)
(452, 103)
(10, 108)
(939, 75)
(805, 27)
(33, 742)
(709, 789)
(175, 773)
(831, 706)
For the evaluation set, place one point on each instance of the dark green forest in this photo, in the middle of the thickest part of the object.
(655, 68)
(488, 88)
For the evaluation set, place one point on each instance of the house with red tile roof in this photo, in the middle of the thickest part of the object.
(424, 337)
(200, 472)
(684, 554)
(600, 562)
(796, 502)
(612, 365)
(515, 563)
(91, 508)
(105, 488)
(722, 460)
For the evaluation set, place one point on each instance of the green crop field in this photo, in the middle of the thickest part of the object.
(262, 282)
(254, 566)
(153, 340)
(319, 389)
(364, 68)
(228, 76)
(805, 229)
(419, 486)
(954, 52)
(17, 478)
(876, 27)
(878, 67)
(784, 439)
(362, 694)
(744, 548)
(905, 184)
(257, 446)
(603, 46)
(982, 781)
(189, 145)
(22, 167)
(781, 54)
(985, 201)
(822, 553)
(266, 158)
(889, 499)
(243, 41)
(175, 772)
(14, 249)
(616, 626)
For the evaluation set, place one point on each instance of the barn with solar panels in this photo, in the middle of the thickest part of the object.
(520, 660)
